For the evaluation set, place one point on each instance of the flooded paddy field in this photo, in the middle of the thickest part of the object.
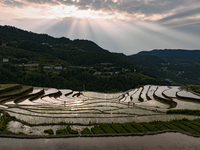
(163, 141)
(60, 107)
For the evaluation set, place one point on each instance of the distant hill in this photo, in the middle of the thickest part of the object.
(83, 63)
(177, 65)
(179, 55)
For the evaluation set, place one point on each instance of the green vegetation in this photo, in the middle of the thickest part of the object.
(178, 67)
(3, 124)
(160, 126)
(118, 128)
(97, 130)
(72, 78)
(71, 131)
(194, 88)
(61, 131)
(178, 125)
(22, 133)
(107, 129)
(184, 111)
(185, 128)
(4, 119)
(171, 126)
(6, 86)
(86, 131)
(48, 131)
(191, 125)
(140, 128)
(80, 59)
(150, 127)
(196, 123)
(130, 128)
(18, 91)
(28, 53)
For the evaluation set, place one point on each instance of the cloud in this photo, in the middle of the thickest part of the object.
(147, 8)
(117, 25)
(12, 3)
(181, 15)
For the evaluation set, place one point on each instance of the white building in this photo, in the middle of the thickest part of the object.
(5, 60)
(57, 67)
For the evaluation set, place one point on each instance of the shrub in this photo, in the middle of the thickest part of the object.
(97, 130)
(61, 131)
(22, 133)
(3, 122)
(71, 131)
(86, 131)
(48, 131)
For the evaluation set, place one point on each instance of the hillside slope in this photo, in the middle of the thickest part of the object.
(177, 66)
(30, 54)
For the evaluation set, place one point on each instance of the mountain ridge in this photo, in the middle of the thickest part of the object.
(178, 65)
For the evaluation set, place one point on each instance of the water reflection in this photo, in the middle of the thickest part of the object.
(164, 141)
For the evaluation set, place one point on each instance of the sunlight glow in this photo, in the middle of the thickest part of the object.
(62, 11)
(113, 29)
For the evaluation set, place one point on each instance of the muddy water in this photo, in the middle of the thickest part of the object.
(164, 141)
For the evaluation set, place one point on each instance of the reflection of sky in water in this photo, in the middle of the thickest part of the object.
(171, 92)
(160, 90)
(136, 95)
(151, 91)
(143, 95)
(181, 104)
(163, 141)
(188, 94)
(50, 90)
(153, 103)
(53, 108)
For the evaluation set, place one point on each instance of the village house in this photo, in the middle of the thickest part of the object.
(58, 67)
(5, 60)
(97, 73)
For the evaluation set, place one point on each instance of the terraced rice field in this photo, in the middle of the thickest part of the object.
(48, 106)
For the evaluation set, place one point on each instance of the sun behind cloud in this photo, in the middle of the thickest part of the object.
(62, 11)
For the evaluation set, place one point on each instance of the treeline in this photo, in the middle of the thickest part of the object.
(184, 111)
(74, 79)
(9, 33)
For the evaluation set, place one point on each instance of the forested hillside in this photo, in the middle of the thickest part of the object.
(83, 64)
(175, 65)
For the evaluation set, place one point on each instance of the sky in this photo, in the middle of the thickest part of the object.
(123, 26)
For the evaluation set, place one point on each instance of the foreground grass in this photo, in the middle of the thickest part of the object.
(184, 111)
(142, 128)
(184, 125)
